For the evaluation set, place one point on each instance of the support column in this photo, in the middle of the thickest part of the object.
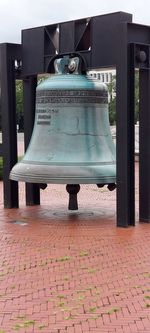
(125, 131)
(144, 146)
(29, 91)
(9, 132)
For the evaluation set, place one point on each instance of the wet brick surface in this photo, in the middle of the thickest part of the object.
(68, 272)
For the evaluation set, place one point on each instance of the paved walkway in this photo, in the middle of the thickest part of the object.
(73, 272)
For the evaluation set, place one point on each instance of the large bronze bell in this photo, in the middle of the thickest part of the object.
(71, 141)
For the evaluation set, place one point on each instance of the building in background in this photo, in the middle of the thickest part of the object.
(106, 76)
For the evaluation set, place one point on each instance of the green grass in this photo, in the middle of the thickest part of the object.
(93, 309)
(147, 297)
(92, 270)
(61, 297)
(41, 326)
(84, 253)
(147, 305)
(62, 259)
(113, 310)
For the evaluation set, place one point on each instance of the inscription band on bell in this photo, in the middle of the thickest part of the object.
(72, 96)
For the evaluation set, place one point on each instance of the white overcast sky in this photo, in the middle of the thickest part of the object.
(16, 15)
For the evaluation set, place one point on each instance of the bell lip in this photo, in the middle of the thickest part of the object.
(64, 174)
(66, 180)
(62, 180)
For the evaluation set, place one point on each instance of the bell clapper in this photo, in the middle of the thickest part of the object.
(73, 190)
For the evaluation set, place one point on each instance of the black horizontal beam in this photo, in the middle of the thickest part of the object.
(93, 38)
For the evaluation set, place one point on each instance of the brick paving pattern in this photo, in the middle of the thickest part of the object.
(68, 272)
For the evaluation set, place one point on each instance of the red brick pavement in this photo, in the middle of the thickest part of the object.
(69, 272)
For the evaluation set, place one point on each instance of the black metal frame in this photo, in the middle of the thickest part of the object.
(103, 41)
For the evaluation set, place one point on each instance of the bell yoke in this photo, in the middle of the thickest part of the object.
(71, 141)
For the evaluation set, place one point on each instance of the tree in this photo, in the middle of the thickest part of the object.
(136, 106)
(19, 103)
(19, 100)
(112, 99)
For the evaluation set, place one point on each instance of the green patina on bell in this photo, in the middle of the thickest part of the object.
(71, 141)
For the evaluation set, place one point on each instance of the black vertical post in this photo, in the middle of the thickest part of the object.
(29, 91)
(144, 146)
(125, 131)
(9, 133)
